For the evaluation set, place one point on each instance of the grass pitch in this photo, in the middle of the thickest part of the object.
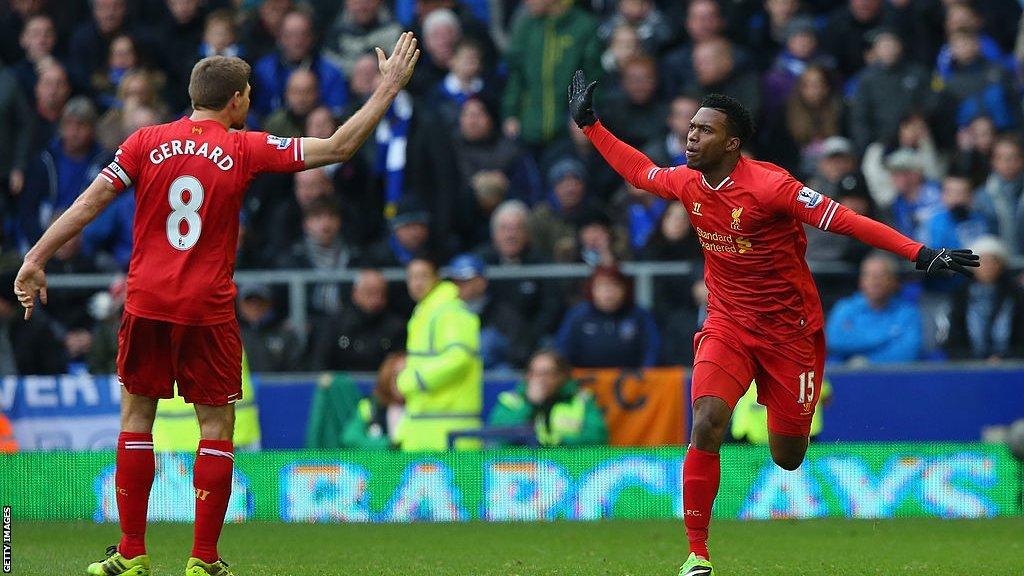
(776, 548)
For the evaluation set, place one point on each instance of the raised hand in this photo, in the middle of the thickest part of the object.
(581, 100)
(930, 260)
(398, 68)
(31, 281)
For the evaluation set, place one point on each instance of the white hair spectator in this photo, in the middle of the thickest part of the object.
(509, 208)
(440, 18)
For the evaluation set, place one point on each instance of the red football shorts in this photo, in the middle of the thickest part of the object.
(205, 361)
(787, 375)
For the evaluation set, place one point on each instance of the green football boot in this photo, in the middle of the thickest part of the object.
(197, 567)
(117, 565)
(696, 567)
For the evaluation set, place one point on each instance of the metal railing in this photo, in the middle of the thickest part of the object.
(297, 281)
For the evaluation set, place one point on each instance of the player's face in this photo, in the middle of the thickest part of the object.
(241, 109)
(708, 140)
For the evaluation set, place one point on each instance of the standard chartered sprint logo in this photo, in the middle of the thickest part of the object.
(716, 242)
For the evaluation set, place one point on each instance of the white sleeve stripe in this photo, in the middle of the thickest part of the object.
(835, 208)
(302, 150)
(824, 215)
(106, 177)
(652, 172)
(295, 151)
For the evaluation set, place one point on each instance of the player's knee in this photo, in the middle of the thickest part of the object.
(710, 420)
(788, 462)
(216, 424)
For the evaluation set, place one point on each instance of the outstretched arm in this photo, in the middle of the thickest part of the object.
(31, 279)
(826, 214)
(629, 162)
(344, 143)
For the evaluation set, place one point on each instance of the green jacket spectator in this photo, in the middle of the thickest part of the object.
(375, 421)
(443, 378)
(562, 413)
(548, 44)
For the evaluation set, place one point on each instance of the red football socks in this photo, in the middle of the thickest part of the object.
(133, 478)
(213, 489)
(701, 472)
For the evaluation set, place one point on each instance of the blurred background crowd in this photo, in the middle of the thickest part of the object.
(908, 111)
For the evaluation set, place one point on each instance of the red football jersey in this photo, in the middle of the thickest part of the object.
(189, 178)
(750, 227)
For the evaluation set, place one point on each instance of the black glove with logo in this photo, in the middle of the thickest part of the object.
(581, 103)
(930, 260)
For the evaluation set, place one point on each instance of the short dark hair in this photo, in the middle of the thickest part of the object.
(215, 80)
(738, 119)
(428, 256)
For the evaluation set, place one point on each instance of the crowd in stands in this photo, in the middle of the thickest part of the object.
(909, 111)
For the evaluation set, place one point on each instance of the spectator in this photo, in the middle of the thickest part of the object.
(716, 70)
(672, 239)
(491, 167)
(974, 143)
(361, 26)
(635, 113)
(601, 180)
(295, 51)
(1001, 200)
(90, 43)
(609, 329)
(682, 324)
(838, 178)
(286, 216)
(669, 150)
(549, 400)
(987, 317)
(220, 36)
(961, 16)
(553, 223)
(463, 82)
(652, 28)
(410, 235)
(846, 33)
(322, 248)
(442, 381)
(21, 343)
(363, 334)
(957, 224)
(301, 96)
(801, 51)
(505, 341)
(639, 212)
(15, 118)
(38, 40)
(271, 345)
(875, 325)
(52, 91)
(704, 23)
(179, 34)
(623, 46)
(138, 89)
(69, 307)
(261, 30)
(538, 73)
(976, 86)
(598, 242)
(814, 112)
(442, 31)
(876, 109)
(917, 199)
(511, 246)
(59, 174)
(123, 58)
(375, 422)
(912, 134)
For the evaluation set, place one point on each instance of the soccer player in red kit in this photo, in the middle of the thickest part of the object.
(179, 322)
(764, 319)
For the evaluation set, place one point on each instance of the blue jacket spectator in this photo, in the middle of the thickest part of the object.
(295, 49)
(62, 171)
(917, 199)
(609, 330)
(957, 224)
(874, 325)
(1001, 199)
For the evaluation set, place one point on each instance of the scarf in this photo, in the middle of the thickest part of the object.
(392, 139)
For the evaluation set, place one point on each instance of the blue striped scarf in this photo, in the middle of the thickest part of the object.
(392, 139)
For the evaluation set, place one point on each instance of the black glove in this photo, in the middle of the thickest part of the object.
(581, 104)
(930, 260)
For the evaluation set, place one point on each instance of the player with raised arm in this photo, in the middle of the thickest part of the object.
(764, 320)
(179, 324)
